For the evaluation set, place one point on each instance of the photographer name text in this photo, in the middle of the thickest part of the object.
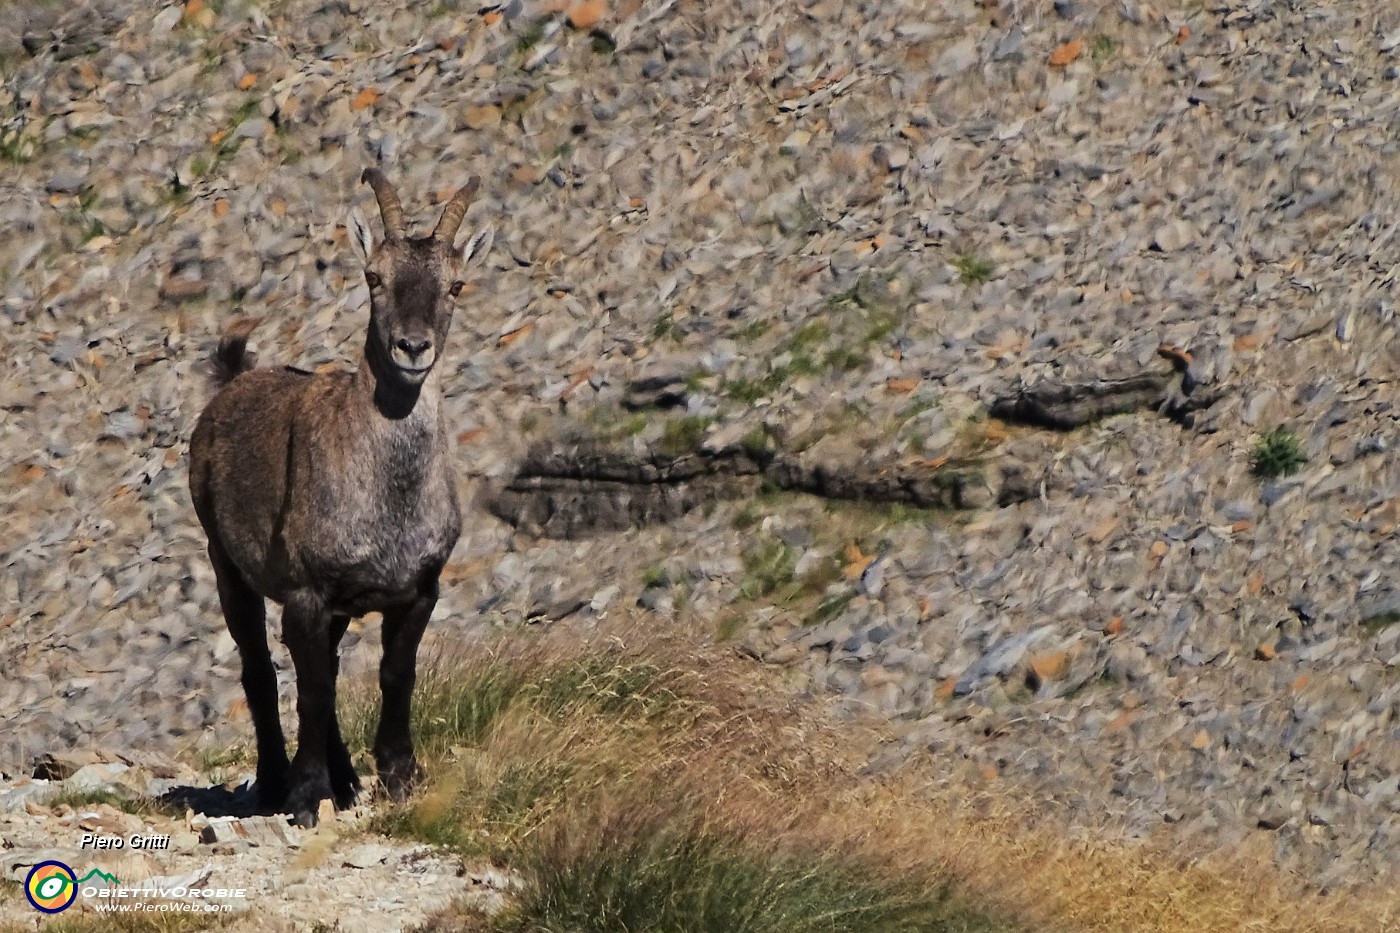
(134, 841)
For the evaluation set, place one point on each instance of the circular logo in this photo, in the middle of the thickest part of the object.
(51, 887)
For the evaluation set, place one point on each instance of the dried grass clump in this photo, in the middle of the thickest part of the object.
(647, 785)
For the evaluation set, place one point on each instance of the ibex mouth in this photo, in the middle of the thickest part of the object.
(413, 376)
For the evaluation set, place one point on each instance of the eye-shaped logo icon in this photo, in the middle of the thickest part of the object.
(51, 887)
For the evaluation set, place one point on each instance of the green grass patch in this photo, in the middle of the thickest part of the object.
(974, 270)
(1277, 453)
(755, 445)
(1380, 622)
(747, 517)
(665, 327)
(845, 359)
(840, 339)
(751, 390)
(601, 43)
(882, 326)
(767, 567)
(17, 146)
(225, 757)
(672, 871)
(531, 37)
(752, 331)
(810, 336)
(683, 435)
(88, 799)
(830, 608)
(1102, 48)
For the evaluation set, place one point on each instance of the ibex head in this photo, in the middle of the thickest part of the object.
(412, 282)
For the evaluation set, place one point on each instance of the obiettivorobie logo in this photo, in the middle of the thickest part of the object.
(53, 887)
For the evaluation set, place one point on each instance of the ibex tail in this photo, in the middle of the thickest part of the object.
(232, 356)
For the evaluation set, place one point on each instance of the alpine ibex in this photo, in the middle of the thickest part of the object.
(333, 495)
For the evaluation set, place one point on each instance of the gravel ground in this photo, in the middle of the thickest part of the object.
(846, 226)
(334, 877)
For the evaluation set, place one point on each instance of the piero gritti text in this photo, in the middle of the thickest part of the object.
(134, 841)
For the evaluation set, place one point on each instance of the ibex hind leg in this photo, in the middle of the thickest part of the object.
(306, 630)
(345, 784)
(393, 743)
(246, 617)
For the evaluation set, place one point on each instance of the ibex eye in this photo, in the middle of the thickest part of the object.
(455, 289)
(372, 280)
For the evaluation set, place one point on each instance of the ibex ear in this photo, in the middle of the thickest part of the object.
(479, 244)
(361, 238)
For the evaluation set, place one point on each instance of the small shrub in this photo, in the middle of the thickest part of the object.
(1277, 453)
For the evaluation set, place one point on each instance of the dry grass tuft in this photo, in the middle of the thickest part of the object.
(639, 788)
(647, 785)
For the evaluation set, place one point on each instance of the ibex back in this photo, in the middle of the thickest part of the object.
(333, 494)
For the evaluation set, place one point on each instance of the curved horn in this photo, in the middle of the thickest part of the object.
(456, 209)
(389, 208)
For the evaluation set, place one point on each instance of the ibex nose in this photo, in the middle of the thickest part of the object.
(414, 347)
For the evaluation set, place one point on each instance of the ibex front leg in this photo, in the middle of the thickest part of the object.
(306, 630)
(393, 744)
(245, 614)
